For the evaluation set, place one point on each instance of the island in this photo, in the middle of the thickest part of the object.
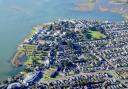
(73, 54)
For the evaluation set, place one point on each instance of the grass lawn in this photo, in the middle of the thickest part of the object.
(33, 53)
(20, 49)
(29, 47)
(40, 61)
(47, 74)
(29, 61)
(96, 35)
(32, 33)
(25, 74)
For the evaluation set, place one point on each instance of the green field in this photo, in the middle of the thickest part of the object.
(95, 35)
(47, 75)
(32, 33)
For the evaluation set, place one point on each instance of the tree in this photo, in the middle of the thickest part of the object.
(88, 36)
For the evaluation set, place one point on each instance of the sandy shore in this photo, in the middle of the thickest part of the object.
(16, 60)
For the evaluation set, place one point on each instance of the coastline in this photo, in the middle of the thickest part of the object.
(15, 32)
(115, 10)
(111, 6)
(121, 10)
(85, 5)
(17, 58)
(118, 1)
(39, 54)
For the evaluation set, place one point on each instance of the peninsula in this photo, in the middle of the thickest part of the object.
(73, 54)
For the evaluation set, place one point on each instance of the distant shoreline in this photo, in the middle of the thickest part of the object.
(111, 6)
(115, 10)
(118, 1)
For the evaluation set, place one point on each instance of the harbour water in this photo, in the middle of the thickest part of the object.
(17, 17)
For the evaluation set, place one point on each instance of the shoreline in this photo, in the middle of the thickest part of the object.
(39, 54)
(17, 58)
(114, 10)
(118, 1)
(96, 5)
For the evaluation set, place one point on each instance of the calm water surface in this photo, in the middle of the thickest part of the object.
(18, 16)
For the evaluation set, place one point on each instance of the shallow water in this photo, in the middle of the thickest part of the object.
(18, 16)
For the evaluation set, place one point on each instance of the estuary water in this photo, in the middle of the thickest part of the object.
(17, 17)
